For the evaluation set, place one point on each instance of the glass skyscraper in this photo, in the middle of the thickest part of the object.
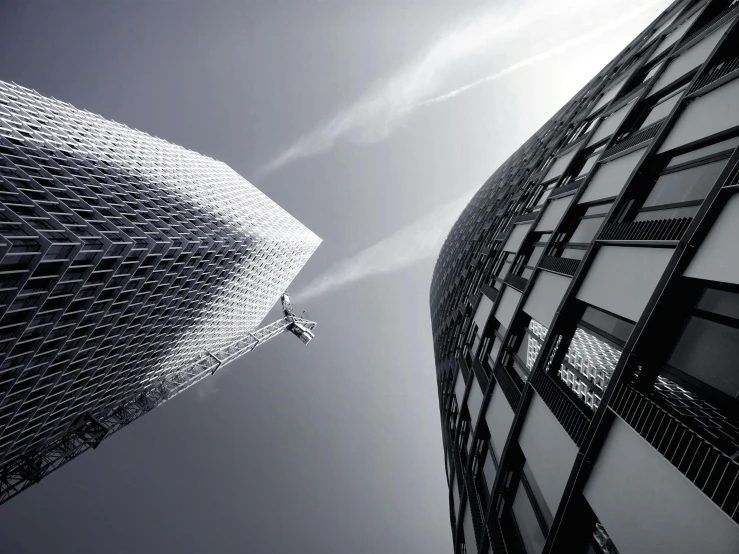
(585, 314)
(124, 261)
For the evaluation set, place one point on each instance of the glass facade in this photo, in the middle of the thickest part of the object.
(604, 252)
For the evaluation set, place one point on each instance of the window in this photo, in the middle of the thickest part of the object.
(529, 516)
(707, 350)
(593, 353)
(489, 352)
(547, 191)
(531, 253)
(590, 162)
(504, 264)
(532, 535)
(680, 189)
(526, 345)
(663, 108)
(583, 229)
(485, 464)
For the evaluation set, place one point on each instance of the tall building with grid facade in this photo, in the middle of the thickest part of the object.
(125, 262)
(585, 314)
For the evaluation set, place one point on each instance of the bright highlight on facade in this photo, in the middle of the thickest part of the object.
(585, 311)
(130, 268)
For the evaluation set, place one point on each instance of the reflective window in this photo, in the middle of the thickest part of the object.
(664, 108)
(589, 163)
(619, 328)
(593, 353)
(490, 469)
(586, 230)
(686, 185)
(686, 211)
(720, 302)
(573, 253)
(708, 351)
(531, 532)
(723, 146)
(599, 209)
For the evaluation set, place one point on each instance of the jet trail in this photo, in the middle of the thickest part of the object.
(542, 56)
(409, 245)
(383, 108)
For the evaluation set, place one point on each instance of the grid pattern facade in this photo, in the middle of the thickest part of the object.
(585, 313)
(123, 259)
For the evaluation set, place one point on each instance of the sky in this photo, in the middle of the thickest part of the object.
(372, 122)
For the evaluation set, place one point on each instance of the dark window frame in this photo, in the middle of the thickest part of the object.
(701, 389)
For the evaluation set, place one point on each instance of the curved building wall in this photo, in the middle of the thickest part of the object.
(585, 313)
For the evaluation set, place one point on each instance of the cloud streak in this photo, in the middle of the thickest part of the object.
(379, 111)
(382, 109)
(409, 245)
(542, 56)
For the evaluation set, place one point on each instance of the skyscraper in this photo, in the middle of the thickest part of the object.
(126, 265)
(585, 313)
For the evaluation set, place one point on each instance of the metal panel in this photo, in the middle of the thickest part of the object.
(516, 238)
(718, 257)
(705, 116)
(483, 311)
(690, 59)
(474, 401)
(610, 124)
(559, 165)
(648, 506)
(553, 214)
(622, 278)
(499, 417)
(545, 297)
(611, 177)
(549, 451)
(507, 306)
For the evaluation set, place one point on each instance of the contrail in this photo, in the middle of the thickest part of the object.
(577, 41)
(378, 112)
(411, 244)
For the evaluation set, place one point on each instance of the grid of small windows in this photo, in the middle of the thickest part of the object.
(122, 258)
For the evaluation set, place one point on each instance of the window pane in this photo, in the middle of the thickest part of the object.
(609, 324)
(489, 470)
(494, 353)
(535, 255)
(586, 230)
(720, 302)
(708, 351)
(545, 195)
(531, 533)
(685, 185)
(538, 496)
(707, 151)
(685, 211)
(599, 209)
(573, 253)
(528, 350)
(589, 163)
(661, 110)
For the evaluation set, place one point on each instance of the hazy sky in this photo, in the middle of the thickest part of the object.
(341, 112)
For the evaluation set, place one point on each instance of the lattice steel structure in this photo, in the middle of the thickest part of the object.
(130, 268)
(585, 313)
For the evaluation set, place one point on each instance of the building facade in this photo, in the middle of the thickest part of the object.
(124, 261)
(585, 313)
